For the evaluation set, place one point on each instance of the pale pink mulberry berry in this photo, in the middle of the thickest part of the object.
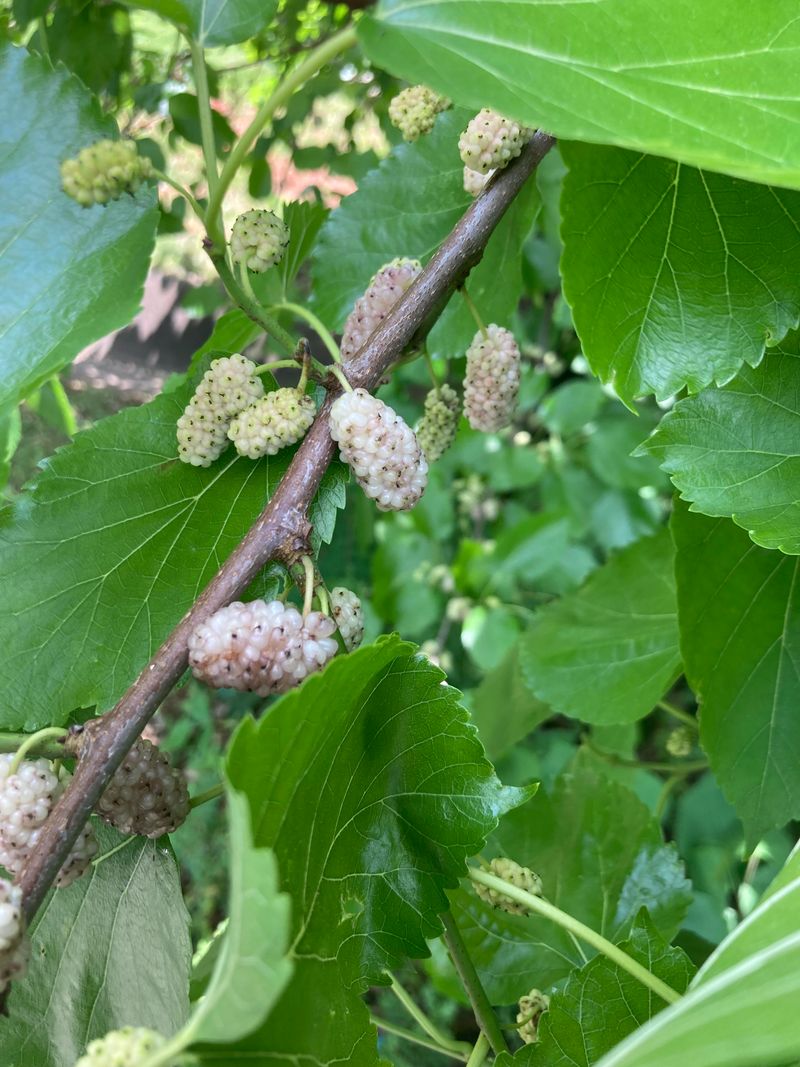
(381, 450)
(14, 945)
(260, 647)
(382, 293)
(490, 141)
(492, 380)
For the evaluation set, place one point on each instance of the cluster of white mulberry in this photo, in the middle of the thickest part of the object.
(269, 648)
(14, 944)
(380, 296)
(229, 405)
(413, 111)
(129, 1047)
(509, 871)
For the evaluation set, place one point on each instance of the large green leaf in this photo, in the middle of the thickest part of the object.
(601, 1004)
(406, 207)
(675, 276)
(753, 975)
(111, 545)
(221, 22)
(252, 968)
(503, 708)
(70, 274)
(372, 789)
(609, 651)
(740, 637)
(601, 857)
(735, 452)
(711, 86)
(112, 950)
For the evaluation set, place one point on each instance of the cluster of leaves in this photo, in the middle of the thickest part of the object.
(652, 262)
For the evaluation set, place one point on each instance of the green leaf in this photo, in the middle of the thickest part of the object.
(222, 22)
(252, 968)
(707, 87)
(372, 789)
(753, 975)
(601, 1004)
(740, 660)
(608, 652)
(734, 452)
(304, 221)
(117, 537)
(10, 434)
(406, 207)
(503, 708)
(71, 274)
(111, 950)
(675, 276)
(600, 856)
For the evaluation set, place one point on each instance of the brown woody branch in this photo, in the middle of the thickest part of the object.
(280, 532)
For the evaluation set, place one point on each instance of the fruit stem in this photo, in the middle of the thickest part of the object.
(263, 368)
(678, 713)
(316, 324)
(324, 603)
(210, 794)
(480, 1051)
(431, 370)
(294, 80)
(251, 308)
(10, 742)
(182, 190)
(409, 1035)
(339, 374)
(481, 1006)
(206, 126)
(419, 1016)
(474, 311)
(579, 929)
(308, 567)
(31, 741)
(646, 765)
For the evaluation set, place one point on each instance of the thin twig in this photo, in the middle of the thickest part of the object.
(481, 1006)
(281, 531)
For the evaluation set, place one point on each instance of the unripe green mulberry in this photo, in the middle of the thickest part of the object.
(104, 171)
(128, 1047)
(681, 742)
(258, 240)
(229, 386)
(512, 872)
(490, 141)
(413, 111)
(531, 1008)
(277, 420)
(438, 425)
(382, 293)
(492, 380)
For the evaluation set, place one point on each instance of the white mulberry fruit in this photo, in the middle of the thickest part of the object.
(382, 293)
(128, 1047)
(509, 871)
(531, 1008)
(491, 141)
(227, 387)
(277, 420)
(492, 380)
(26, 799)
(380, 448)
(104, 171)
(260, 648)
(413, 111)
(258, 240)
(348, 615)
(11, 923)
(146, 796)
(681, 741)
(474, 181)
(437, 428)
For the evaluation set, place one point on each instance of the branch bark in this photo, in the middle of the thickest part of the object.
(281, 531)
